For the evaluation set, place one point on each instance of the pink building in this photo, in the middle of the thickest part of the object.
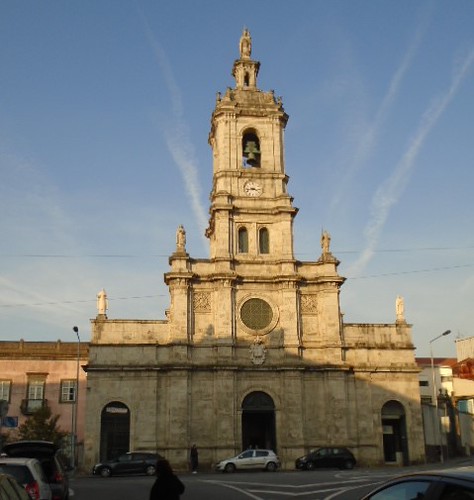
(33, 374)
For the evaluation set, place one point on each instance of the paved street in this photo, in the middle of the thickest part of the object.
(314, 485)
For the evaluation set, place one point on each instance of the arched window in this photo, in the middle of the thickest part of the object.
(251, 149)
(243, 240)
(264, 240)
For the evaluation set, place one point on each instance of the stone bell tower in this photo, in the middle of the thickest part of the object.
(251, 213)
(252, 290)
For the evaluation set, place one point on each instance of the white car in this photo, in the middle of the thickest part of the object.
(29, 473)
(250, 459)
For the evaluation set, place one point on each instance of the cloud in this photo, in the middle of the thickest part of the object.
(177, 136)
(388, 194)
(368, 139)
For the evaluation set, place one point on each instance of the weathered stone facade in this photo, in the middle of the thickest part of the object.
(254, 350)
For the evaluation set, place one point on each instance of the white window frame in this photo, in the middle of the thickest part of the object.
(5, 390)
(36, 389)
(68, 391)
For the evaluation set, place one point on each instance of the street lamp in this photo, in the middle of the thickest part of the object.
(76, 397)
(435, 394)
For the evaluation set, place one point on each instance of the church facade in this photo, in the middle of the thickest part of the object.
(254, 351)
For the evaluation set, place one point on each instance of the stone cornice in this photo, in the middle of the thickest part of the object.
(42, 350)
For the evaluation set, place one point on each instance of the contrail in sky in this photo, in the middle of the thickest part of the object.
(369, 136)
(390, 191)
(177, 138)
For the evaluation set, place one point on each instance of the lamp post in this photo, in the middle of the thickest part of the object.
(435, 395)
(76, 398)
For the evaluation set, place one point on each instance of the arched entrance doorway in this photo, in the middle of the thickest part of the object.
(114, 430)
(258, 421)
(395, 446)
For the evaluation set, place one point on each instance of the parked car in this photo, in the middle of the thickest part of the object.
(29, 474)
(10, 489)
(250, 459)
(341, 458)
(442, 485)
(133, 462)
(52, 462)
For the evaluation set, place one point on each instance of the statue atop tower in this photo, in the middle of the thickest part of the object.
(245, 70)
(245, 45)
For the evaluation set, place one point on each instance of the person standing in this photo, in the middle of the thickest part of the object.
(194, 458)
(167, 485)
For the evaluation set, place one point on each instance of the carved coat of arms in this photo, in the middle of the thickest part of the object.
(257, 352)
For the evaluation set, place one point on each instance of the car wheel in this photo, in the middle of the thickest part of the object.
(229, 468)
(105, 472)
(150, 470)
(310, 466)
(348, 464)
(271, 467)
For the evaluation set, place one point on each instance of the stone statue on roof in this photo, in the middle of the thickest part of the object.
(102, 302)
(180, 239)
(325, 242)
(400, 308)
(245, 45)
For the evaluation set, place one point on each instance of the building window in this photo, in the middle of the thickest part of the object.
(243, 240)
(264, 240)
(5, 390)
(68, 391)
(427, 400)
(35, 396)
(424, 383)
(446, 378)
(36, 389)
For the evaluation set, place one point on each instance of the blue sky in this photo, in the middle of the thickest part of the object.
(104, 117)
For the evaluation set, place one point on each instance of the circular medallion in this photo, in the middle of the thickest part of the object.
(258, 316)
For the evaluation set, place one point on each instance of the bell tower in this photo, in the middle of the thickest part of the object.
(251, 213)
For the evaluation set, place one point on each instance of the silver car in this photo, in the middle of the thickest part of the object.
(250, 459)
(29, 473)
(10, 489)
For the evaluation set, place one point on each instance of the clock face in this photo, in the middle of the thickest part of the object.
(252, 189)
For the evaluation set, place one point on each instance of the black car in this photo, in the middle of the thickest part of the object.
(442, 485)
(133, 462)
(341, 458)
(52, 462)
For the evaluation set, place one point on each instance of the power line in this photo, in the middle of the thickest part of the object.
(397, 273)
(85, 256)
(39, 304)
(141, 256)
(134, 297)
